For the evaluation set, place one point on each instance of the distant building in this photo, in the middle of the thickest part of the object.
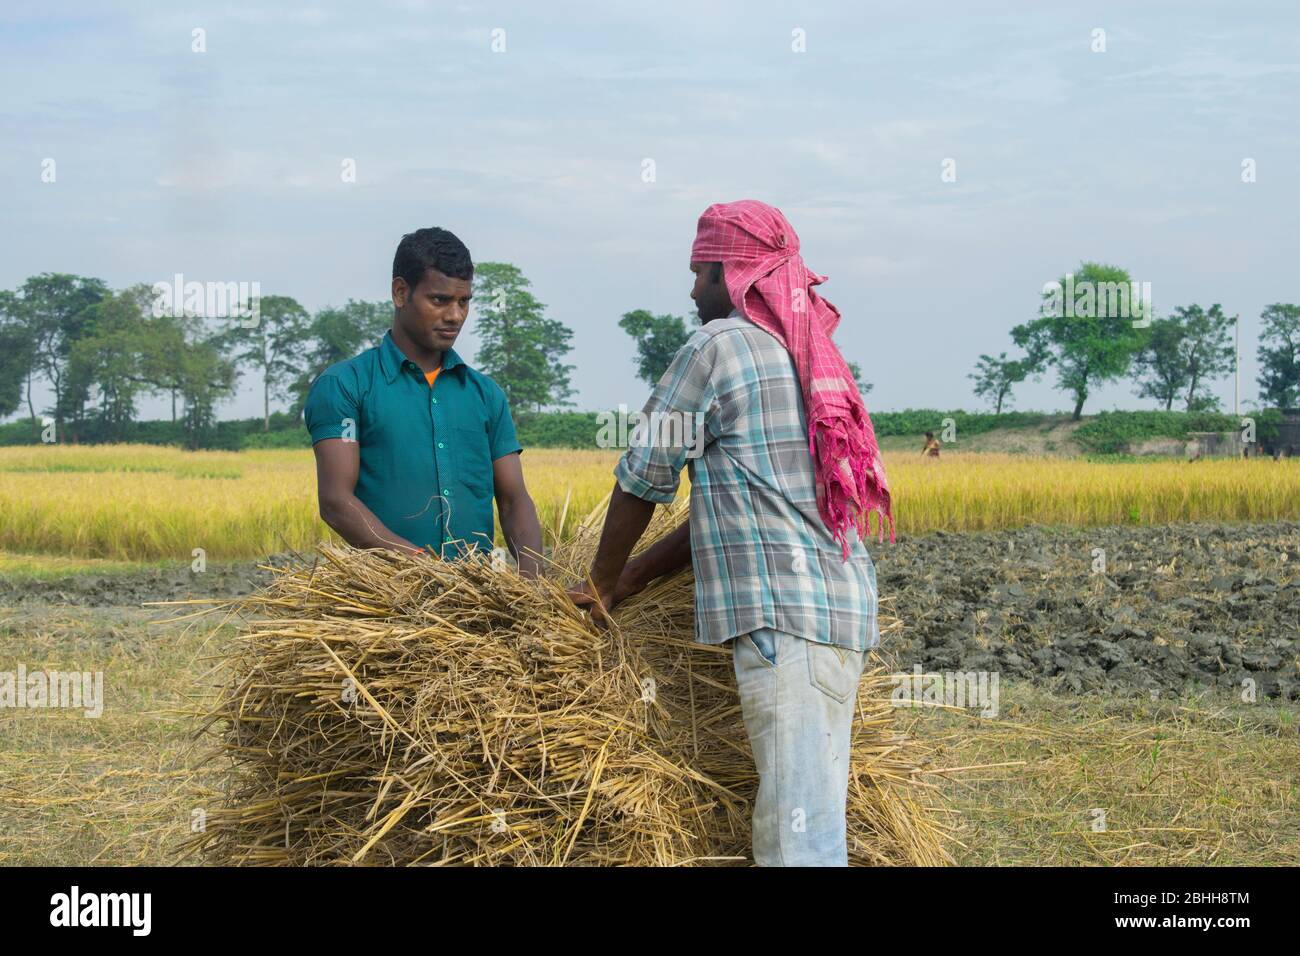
(1230, 445)
(1227, 444)
(1288, 436)
(1214, 444)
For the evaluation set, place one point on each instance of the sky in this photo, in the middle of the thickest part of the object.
(530, 130)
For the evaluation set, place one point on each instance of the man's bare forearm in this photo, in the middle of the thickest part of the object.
(357, 525)
(625, 522)
(523, 534)
(666, 556)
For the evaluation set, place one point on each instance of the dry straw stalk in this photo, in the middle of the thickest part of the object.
(385, 710)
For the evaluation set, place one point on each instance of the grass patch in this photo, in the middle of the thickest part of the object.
(1189, 782)
(115, 789)
(44, 567)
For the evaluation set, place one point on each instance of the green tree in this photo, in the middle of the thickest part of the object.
(1161, 367)
(274, 347)
(1279, 355)
(206, 378)
(16, 354)
(187, 358)
(55, 309)
(162, 361)
(106, 362)
(1207, 352)
(856, 371)
(1091, 340)
(658, 338)
(519, 347)
(342, 333)
(996, 377)
(1205, 402)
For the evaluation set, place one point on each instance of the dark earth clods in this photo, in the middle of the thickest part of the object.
(1177, 608)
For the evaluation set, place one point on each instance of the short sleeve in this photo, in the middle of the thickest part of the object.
(501, 426)
(331, 410)
(678, 421)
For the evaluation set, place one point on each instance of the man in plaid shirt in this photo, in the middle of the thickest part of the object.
(769, 574)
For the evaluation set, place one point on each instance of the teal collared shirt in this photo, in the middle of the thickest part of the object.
(426, 453)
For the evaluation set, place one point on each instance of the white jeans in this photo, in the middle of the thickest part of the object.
(798, 699)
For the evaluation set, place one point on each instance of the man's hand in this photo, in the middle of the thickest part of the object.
(630, 582)
(586, 596)
(625, 520)
(666, 556)
(602, 601)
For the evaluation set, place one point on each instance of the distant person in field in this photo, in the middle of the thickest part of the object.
(931, 448)
(411, 443)
(784, 473)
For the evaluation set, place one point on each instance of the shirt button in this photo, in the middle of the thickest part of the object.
(439, 444)
(435, 401)
(446, 491)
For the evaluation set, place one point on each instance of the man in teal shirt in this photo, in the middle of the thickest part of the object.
(411, 443)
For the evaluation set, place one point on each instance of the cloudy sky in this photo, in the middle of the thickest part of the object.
(225, 165)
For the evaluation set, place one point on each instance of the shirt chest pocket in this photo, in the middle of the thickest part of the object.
(472, 459)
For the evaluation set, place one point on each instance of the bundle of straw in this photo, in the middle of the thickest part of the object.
(388, 710)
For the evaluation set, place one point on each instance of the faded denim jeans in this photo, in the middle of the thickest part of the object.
(798, 699)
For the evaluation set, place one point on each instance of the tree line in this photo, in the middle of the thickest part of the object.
(1173, 359)
(100, 352)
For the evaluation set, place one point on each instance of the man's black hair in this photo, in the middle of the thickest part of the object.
(717, 272)
(431, 248)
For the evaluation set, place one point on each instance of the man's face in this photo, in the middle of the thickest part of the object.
(711, 298)
(433, 313)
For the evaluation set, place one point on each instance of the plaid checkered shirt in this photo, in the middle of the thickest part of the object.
(730, 409)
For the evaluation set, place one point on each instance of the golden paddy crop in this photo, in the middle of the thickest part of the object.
(148, 503)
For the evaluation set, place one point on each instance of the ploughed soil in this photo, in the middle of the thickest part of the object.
(1142, 609)
(1176, 608)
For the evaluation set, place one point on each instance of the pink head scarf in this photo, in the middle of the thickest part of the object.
(771, 287)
